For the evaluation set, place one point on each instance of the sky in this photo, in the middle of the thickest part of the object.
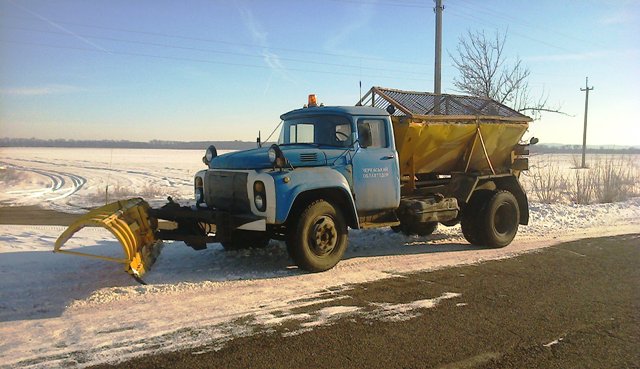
(224, 70)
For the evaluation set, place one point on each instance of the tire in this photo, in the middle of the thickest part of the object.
(318, 239)
(471, 217)
(241, 239)
(500, 218)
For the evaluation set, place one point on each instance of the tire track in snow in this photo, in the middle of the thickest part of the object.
(59, 188)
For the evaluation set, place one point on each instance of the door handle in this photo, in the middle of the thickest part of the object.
(388, 157)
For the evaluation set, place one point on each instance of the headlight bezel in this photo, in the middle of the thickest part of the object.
(209, 154)
(276, 157)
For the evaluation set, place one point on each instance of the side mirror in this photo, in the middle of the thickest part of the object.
(364, 135)
(533, 141)
(391, 109)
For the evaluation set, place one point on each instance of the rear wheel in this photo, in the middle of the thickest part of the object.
(491, 218)
(470, 222)
(241, 239)
(500, 219)
(318, 239)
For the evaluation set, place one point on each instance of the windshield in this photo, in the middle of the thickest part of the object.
(326, 130)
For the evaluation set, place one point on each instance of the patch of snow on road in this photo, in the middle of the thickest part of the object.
(401, 312)
(329, 314)
(554, 342)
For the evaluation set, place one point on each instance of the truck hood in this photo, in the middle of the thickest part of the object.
(297, 155)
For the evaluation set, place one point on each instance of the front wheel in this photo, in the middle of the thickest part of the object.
(318, 239)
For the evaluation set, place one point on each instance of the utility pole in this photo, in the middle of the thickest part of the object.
(586, 89)
(438, 57)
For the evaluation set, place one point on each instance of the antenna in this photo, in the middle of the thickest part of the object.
(360, 101)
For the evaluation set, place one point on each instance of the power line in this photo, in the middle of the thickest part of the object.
(218, 51)
(461, 14)
(209, 40)
(517, 21)
(205, 61)
(384, 3)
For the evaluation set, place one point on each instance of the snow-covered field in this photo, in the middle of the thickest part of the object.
(75, 179)
(58, 310)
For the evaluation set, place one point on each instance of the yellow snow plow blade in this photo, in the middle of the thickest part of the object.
(129, 222)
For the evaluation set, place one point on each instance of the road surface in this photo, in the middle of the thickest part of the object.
(575, 305)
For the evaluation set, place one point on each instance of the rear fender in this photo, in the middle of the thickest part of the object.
(463, 185)
(511, 184)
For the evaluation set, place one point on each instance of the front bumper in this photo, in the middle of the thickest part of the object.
(199, 226)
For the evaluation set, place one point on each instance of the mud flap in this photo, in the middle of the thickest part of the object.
(130, 223)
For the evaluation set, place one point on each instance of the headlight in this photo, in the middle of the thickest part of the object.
(209, 154)
(198, 190)
(259, 196)
(259, 202)
(276, 157)
(272, 155)
(199, 196)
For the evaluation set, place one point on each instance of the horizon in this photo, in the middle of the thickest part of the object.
(145, 71)
(549, 145)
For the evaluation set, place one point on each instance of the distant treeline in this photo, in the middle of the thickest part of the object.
(243, 145)
(576, 149)
(123, 144)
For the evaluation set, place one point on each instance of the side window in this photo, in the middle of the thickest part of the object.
(372, 133)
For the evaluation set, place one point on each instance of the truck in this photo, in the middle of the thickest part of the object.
(401, 159)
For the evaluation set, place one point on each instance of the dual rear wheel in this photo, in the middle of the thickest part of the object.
(491, 218)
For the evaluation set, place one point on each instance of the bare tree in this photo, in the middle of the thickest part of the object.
(484, 72)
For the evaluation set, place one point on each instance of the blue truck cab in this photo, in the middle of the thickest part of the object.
(331, 168)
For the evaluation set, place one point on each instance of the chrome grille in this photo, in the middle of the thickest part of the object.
(227, 191)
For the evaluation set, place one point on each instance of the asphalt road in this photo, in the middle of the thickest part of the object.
(34, 215)
(575, 305)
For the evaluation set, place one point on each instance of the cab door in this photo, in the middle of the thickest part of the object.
(376, 174)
